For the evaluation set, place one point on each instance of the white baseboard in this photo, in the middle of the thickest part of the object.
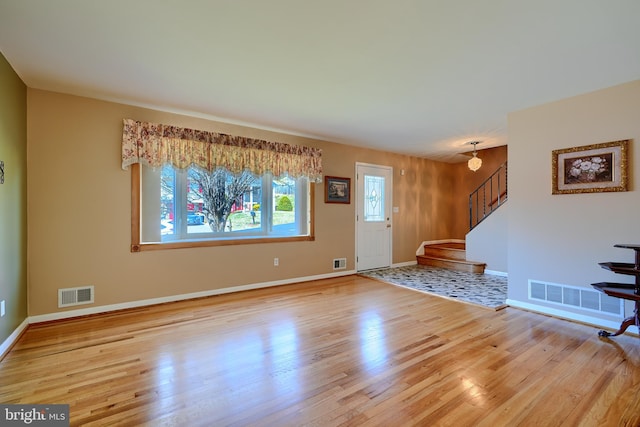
(141, 303)
(404, 264)
(11, 339)
(601, 323)
(496, 273)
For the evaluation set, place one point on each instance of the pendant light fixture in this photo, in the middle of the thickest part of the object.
(475, 162)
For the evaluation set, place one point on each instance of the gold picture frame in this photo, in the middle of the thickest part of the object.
(592, 168)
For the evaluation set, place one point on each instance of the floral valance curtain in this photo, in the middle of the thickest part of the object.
(154, 145)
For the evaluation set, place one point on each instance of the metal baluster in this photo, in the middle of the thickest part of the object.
(499, 192)
(499, 200)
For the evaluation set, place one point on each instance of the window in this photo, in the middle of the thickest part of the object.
(203, 188)
(195, 206)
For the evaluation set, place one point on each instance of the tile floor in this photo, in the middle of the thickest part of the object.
(482, 289)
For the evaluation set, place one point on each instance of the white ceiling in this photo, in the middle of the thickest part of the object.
(421, 77)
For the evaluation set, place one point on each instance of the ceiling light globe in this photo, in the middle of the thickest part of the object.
(474, 163)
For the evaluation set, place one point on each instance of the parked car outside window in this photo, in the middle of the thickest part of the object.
(195, 218)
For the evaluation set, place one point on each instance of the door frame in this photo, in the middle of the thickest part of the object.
(388, 203)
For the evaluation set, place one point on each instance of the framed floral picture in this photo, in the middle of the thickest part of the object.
(337, 190)
(590, 168)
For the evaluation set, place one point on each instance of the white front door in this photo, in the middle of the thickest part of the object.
(373, 216)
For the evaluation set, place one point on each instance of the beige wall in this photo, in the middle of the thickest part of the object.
(79, 211)
(13, 199)
(562, 238)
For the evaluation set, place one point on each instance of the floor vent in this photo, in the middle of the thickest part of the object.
(576, 297)
(75, 296)
(339, 263)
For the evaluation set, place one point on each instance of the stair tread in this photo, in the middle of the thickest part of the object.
(449, 255)
(452, 264)
(444, 252)
(452, 260)
(452, 245)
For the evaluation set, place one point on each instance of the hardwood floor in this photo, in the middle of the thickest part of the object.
(343, 351)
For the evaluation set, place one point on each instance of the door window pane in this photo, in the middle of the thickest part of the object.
(373, 198)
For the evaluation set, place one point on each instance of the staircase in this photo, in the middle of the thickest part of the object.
(449, 255)
(488, 196)
(483, 201)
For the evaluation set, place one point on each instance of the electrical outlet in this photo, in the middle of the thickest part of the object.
(2, 309)
(276, 262)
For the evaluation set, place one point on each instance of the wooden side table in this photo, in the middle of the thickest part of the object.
(628, 291)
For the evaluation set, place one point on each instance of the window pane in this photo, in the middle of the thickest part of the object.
(373, 198)
(167, 197)
(196, 222)
(246, 210)
(221, 202)
(284, 205)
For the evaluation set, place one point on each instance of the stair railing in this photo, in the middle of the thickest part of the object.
(488, 197)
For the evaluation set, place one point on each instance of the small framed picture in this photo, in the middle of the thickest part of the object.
(590, 168)
(337, 190)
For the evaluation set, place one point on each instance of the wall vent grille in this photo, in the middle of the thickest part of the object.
(576, 297)
(75, 296)
(339, 263)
